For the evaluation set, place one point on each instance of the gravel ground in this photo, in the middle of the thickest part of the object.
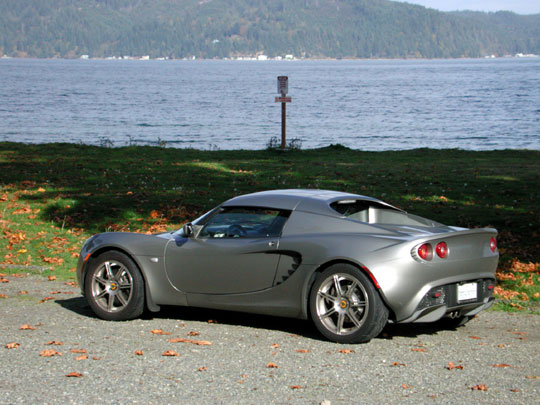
(406, 364)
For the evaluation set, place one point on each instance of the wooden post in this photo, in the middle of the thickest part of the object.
(283, 125)
(283, 88)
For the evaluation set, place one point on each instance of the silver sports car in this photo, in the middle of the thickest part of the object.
(349, 263)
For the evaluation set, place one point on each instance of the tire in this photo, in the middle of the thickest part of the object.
(345, 306)
(114, 287)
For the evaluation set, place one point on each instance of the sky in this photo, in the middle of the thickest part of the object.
(517, 6)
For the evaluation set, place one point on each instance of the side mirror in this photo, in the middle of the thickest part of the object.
(188, 229)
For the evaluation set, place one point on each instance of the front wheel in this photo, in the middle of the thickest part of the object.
(345, 306)
(114, 287)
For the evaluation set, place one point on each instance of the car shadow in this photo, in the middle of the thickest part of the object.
(296, 327)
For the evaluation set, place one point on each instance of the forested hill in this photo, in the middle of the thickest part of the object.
(229, 28)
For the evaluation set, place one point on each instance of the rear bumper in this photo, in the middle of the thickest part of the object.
(443, 301)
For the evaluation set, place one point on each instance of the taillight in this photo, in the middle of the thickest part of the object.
(442, 250)
(425, 251)
(493, 244)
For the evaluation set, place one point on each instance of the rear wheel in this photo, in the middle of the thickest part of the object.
(114, 287)
(345, 306)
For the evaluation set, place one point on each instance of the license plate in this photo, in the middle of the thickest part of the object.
(466, 292)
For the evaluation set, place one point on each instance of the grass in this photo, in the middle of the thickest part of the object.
(54, 196)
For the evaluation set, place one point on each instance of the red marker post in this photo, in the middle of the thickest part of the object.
(283, 88)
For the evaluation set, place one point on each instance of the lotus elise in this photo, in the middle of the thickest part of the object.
(348, 262)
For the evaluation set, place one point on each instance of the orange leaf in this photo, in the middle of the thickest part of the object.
(71, 283)
(405, 386)
(275, 345)
(12, 345)
(271, 365)
(515, 390)
(170, 353)
(302, 351)
(193, 333)
(160, 332)
(212, 321)
(346, 351)
(532, 377)
(138, 353)
(154, 214)
(27, 327)
(78, 351)
(202, 369)
(83, 357)
(502, 365)
(46, 299)
(452, 366)
(4, 280)
(54, 342)
(96, 358)
(475, 337)
(3, 296)
(49, 353)
(295, 387)
(179, 340)
(74, 374)
(23, 292)
(395, 363)
(480, 387)
(418, 349)
(51, 278)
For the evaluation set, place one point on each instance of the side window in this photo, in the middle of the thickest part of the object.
(245, 222)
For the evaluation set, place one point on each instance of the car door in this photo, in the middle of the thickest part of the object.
(234, 252)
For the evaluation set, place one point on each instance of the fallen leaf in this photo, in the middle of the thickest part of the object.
(501, 346)
(51, 278)
(138, 353)
(346, 351)
(3, 296)
(193, 333)
(295, 387)
(533, 377)
(515, 390)
(212, 321)
(71, 283)
(54, 342)
(202, 369)
(302, 351)
(46, 299)
(154, 214)
(501, 365)
(519, 333)
(27, 327)
(418, 349)
(452, 366)
(23, 292)
(49, 353)
(78, 351)
(55, 292)
(405, 386)
(479, 387)
(160, 332)
(195, 342)
(271, 365)
(74, 374)
(475, 337)
(12, 345)
(83, 357)
(4, 280)
(275, 345)
(96, 358)
(395, 363)
(170, 353)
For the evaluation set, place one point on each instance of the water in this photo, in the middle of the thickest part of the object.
(368, 105)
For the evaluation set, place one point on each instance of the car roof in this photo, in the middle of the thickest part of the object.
(317, 201)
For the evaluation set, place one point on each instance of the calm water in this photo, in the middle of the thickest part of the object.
(369, 105)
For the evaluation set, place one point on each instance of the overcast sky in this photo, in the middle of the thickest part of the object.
(517, 6)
